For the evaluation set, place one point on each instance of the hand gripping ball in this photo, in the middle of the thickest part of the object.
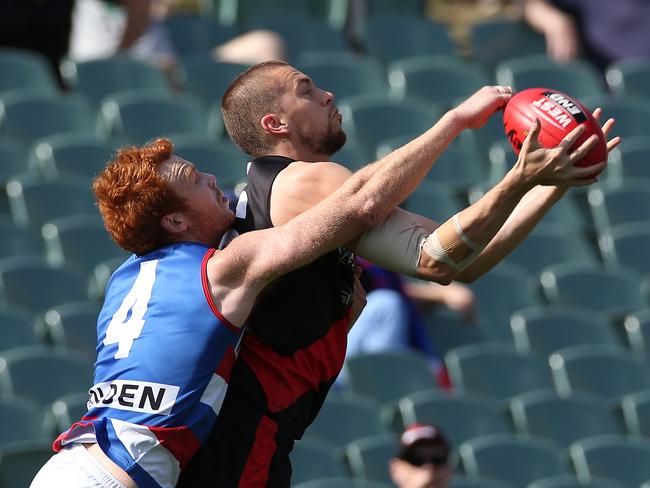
(558, 114)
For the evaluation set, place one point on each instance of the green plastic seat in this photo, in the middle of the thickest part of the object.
(495, 371)
(371, 119)
(599, 370)
(395, 36)
(629, 77)
(311, 459)
(34, 200)
(518, 461)
(496, 40)
(368, 457)
(72, 326)
(100, 78)
(461, 416)
(573, 482)
(459, 481)
(19, 241)
(82, 155)
(19, 421)
(562, 420)
(632, 114)
(16, 328)
(208, 79)
(341, 420)
(439, 79)
(197, 34)
(621, 204)
(636, 413)
(544, 330)
(384, 8)
(20, 461)
(247, 13)
(21, 373)
(28, 117)
(577, 79)
(614, 457)
(610, 291)
(35, 285)
(100, 276)
(631, 163)
(637, 332)
(434, 200)
(341, 483)
(139, 117)
(63, 412)
(354, 155)
(25, 70)
(344, 75)
(388, 376)
(624, 245)
(13, 157)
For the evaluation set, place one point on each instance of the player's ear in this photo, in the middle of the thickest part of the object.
(273, 124)
(174, 222)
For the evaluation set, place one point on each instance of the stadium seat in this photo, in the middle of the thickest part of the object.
(345, 418)
(16, 328)
(19, 241)
(14, 159)
(461, 416)
(20, 461)
(462, 482)
(622, 204)
(636, 413)
(79, 241)
(344, 75)
(142, 117)
(354, 155)
(477, 142)
(197, 34)
(383, 8)
(25, 70)
(514, 460)
(547, 246)
(340, 483)
(208, 79)
(417, 36)
(83, 155)
(72, 326)
(368, 457)
(312, 459)
(388, 376)
(439, 79)
(637, 331)
(249, 13)
(28, 117)
(19, 421)
(614, 457)
(634, 154)
(434, 200)
(63, 412)
(33, 284)
(21, 373)
(625, 244)
(501, 292)
(34, 200)
(100, 276)
(632, 114)
(544, 330)
(629, 77)
(562, 420)
(496, 40)
(573, 482)
(371, 119)
(495, 370)
(609, 291)
(577, 79)
(100, 78)
(599, 370)
(222, 159)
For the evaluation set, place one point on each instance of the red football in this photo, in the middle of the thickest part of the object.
(558, 114)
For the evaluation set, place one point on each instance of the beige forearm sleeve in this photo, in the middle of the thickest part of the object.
(450, 245)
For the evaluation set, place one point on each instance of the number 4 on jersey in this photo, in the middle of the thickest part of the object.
(121, 331)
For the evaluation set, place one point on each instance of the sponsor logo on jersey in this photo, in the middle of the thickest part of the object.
(137, 396)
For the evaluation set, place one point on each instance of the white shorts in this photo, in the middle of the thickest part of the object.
(74, 467)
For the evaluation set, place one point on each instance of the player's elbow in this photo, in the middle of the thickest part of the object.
(370, 213)
(437, 272)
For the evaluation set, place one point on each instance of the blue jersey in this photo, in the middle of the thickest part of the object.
(164, 357)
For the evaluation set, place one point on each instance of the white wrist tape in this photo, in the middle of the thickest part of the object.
(450, 245)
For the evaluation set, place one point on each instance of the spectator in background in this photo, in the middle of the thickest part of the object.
(599, 30)
(422, 460)
(392, 320)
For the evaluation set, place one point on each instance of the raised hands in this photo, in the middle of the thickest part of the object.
(477, 109)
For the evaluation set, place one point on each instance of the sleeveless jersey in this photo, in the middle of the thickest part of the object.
(164, 358)
(297, 331)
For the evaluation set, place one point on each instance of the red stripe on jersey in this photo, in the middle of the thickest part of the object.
(256, 470)
(58, 442)
(208, 292)
(287, 378)
(180, 441)
(225, 367)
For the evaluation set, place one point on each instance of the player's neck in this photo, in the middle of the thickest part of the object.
(299, 153)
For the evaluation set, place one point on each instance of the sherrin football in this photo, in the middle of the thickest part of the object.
(558, 114)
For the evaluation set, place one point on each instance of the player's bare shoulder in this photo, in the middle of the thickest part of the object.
(302, 185)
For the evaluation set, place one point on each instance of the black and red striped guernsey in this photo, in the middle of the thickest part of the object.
(292, 351)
